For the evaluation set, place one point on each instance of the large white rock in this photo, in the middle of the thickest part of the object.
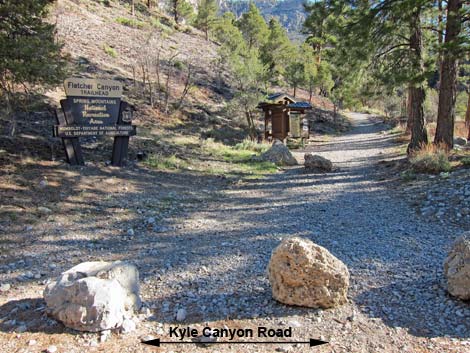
(457, 268)
(278, 154)
(317, 163)
(94, 296)
(306, 274)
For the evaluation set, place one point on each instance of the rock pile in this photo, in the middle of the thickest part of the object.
(457, 268)
(305, 274)
(316, 163)
(95, 296)
(278, 154)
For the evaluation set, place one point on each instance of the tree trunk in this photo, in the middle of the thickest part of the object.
(295, 90)
(409, 122)
(419, 134)
(310, 92)
(251, 124)
(467, 115)
(175, 11)
(449, 73)
(440, 39)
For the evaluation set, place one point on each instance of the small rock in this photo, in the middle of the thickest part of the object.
(29, 275)
(151, 220)
(21, 329)
(44, 210)
(318, 163)
(5, 287)
(128, 326)
(181, 315)
(460, 141)
(130, 232)
(104, 335)
(51, 349)
(32, 342)
(147, 338)
(43, 184)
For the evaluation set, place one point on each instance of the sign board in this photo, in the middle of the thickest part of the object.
(94, 102)
(94, 108)
(82, 131)
(294, 122)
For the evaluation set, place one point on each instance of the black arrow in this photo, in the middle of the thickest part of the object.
(312, 342)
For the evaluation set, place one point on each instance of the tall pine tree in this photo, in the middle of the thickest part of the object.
(206, 16)
(452, 51)
(29, 51)
(253, 27)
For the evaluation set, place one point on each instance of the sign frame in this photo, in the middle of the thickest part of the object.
(109, 116)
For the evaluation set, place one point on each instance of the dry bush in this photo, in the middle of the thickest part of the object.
(430, 159)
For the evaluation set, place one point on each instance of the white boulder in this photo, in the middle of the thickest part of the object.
(305, 274)
(94, 296)
(278, 154)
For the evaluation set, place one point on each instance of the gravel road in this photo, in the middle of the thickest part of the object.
(210, 259)
(398, 298)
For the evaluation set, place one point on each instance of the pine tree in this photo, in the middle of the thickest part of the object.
(248, 73)
(278, 50)
(29, 51)
(181, 9)
(206, 16)
(389, 36)
(452, 51)
(253, 27)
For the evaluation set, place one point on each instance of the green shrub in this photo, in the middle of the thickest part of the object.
(130, 22)
(110, 51)
(408, 175)
(465, 161)
(161, 162)
(250, 145)
(430, 159)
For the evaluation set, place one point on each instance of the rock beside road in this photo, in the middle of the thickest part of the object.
(457, 268)
(316, 163)
(94, 296)
(460, 141)
(278, 154)
(305, 274)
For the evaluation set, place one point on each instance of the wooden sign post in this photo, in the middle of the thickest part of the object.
(93, 108)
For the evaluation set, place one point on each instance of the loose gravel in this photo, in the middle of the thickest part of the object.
(204, 263)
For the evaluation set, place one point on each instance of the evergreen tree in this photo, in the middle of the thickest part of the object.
(295, 74)
(452, 51)
(253, 27)
(278, 50)
(181, 9)
(248, 73)
(29, 53)
(206, 16)
(388, 35)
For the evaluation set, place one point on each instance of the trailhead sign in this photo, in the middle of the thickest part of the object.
(94, 108)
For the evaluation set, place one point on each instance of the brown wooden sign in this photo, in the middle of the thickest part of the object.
(94, 108)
